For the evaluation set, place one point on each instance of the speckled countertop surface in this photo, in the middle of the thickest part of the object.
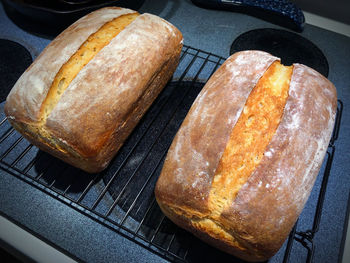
(212, 31)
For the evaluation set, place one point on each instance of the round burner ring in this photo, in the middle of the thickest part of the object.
(15, 59)
(289, 46)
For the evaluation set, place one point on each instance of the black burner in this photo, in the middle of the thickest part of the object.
(14, 61)
(290, 47)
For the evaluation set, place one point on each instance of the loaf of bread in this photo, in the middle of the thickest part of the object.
(244, 161)
(84, 94)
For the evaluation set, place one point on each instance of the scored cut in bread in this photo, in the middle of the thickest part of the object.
(84, 94)
(244, 161)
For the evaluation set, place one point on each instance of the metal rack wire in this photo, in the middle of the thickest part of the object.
(121, 197)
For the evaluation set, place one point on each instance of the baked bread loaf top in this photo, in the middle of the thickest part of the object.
(244, 161)
(87, 90)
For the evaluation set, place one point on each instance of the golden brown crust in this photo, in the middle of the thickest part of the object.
(87, 51)
(266, 207)
(201, 233)
(197, 147)
(250, 136)
(283, 180)
(25, 99)
(104, 102)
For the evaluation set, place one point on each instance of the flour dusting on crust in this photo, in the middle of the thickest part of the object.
(121, 72)
(31, 88)
(208, 126)
(291, 161)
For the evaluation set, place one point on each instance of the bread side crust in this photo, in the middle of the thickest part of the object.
(188, 219)
(119, 135)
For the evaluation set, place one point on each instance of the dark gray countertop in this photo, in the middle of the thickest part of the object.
(212, 31)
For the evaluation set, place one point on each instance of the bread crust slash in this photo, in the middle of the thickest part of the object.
(254, 222)
(128, 59)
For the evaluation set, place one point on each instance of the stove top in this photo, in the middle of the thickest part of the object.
(103, 216)
(14, 61)
(289, 46)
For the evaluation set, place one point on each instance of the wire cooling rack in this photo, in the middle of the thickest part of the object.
(121, 197)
